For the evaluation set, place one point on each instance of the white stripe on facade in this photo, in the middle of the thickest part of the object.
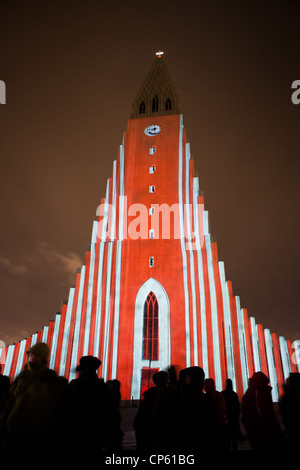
(118, 269)
(106, 214)
(284, 357)
(54, 341)
(191, 252)
(64, 349)
(114, 195)
(271, 365)
(214, 315)
(87, 332)
(20, 358)
(45, 334)
(9, 359)
(1, 351)
(117, 310)
(182, 244)
(74, 357)
(33, 339)
(242, 343)
(108, 277)
(255, 345)
(107, 312)
(227, 325)
(205, 223)
(200, 278)
(100, 273)
(99, 300)
(121, 196)
(94, 232)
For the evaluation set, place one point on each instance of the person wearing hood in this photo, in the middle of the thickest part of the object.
(258, 415)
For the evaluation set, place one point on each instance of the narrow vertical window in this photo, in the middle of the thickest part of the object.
(150, 328)
(152, 169)
(155, 104)
(142, 108)
(168, 105)
(151, 233)
(151, 262)
(151, 189)
(151, 211)
(152, 150)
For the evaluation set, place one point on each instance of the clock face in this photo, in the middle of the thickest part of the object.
(152, 130)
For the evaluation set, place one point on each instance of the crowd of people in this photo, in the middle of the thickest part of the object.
(183, 414)
(39, 407)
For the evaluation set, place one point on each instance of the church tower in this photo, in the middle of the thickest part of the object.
(152, 292)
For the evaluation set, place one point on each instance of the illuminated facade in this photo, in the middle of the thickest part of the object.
(152, 292)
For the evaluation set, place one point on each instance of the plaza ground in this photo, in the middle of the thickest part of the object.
(129, 443)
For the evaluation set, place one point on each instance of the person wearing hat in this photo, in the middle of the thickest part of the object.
(89, 410)
(38, 356)
(34, 404)
(88, 365)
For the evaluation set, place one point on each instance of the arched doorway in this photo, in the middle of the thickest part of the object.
(152, 344)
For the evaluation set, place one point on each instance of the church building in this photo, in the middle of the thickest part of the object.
(152, 292)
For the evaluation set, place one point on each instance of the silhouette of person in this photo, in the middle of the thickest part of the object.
(258, 415)
(233, 415)
(33, 408)
(195, 412)
(220, 421)
(289, 407)
(89, 410)
(172, 382)
(116, 439)
(4, 387)
(154, 420)
(4, 390)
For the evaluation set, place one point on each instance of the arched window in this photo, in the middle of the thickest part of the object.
(155, 104)
(168, 105)
(142, 108)
(150, 328)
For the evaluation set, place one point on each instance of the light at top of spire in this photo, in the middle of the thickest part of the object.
(159, 53)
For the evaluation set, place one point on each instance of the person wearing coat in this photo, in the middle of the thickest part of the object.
(219, 419)
(233, 415)
(258, 415)
(89, 410)
(32, 411)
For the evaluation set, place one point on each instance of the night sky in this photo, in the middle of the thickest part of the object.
(72, 70)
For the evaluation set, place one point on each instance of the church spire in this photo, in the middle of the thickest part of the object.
(157, 95)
